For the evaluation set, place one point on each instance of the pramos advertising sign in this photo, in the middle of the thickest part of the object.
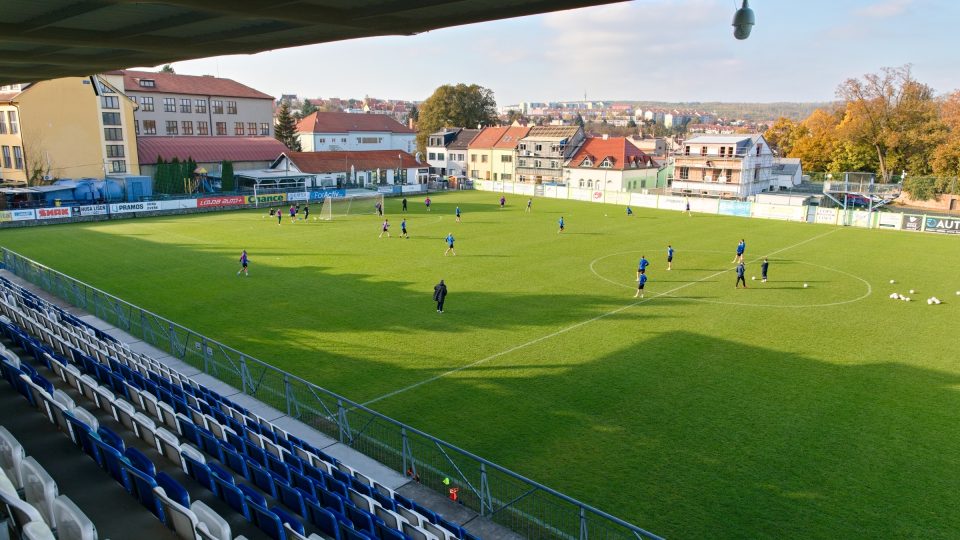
(146, 206)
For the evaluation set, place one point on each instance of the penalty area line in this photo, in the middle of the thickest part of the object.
(580, 324)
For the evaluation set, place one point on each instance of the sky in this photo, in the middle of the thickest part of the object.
(650, 50)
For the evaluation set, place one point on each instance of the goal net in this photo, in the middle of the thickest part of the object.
(340, 207)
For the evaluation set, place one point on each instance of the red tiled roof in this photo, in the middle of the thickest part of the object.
(365, 160)
(512, 137)
(208, 149)
(620, 149)
(174, 83)
(341, 122)
(487, 138)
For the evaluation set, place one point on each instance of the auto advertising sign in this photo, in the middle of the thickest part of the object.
(943, 225)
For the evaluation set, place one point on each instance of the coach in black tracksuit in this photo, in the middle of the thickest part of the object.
(439, 294)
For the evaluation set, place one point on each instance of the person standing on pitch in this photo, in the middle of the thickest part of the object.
(306, 212)
(244, 261)
(404, 203)
(669, 257)
(642, 266)
(458, 214)
(403, 228)
(439, 295)
(740, 276)
(529, 204)
(503, 201)
(741, 247)
(293, 214)
(561, 225)
(385, 228)
(688, 208)
(379, 208)
(449, 240)
(629, 211)
(763, 270)
(641, 281)
(279, 215)
(427, 202)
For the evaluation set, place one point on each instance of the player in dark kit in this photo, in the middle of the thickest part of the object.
(740, 276)
(764, 266)
(244, 261)
(403, 228)
(669, 257)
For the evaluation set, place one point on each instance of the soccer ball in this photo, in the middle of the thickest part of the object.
(929, 301)
(907, 299)
(753, 278)
(894, 296)
(805, 285)
(892, 281)
(912, 291)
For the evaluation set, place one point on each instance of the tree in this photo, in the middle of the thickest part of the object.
(781, 135)
(460, 105)
(815, 140)
(286, 130)
(227, 181)
(167, 68)
(891, 113)
(413, 113)
(632, 123)
(579, 120)
(307, 108)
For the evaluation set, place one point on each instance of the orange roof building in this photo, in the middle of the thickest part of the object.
(610, 164)
(341, 131)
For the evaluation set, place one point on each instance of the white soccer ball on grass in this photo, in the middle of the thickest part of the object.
(912, 291)
(805, 285)
(754, 278)
(892, 281)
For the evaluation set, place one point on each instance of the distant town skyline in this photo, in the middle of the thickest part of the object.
(649, 50)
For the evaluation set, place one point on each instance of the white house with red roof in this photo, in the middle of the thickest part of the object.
(175, 105)
(610, 164)
(340, 131)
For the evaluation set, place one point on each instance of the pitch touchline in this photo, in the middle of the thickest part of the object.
(575, 326)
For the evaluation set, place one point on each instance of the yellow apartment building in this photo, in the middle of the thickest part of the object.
(492, 154)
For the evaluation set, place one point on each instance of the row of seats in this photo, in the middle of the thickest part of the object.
(314, 486)
(42, 513)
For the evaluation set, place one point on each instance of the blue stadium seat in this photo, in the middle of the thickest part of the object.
(255, 453)
(403, 501)
(288, 519)
(210, 444)
(302, 482)
(235, 461)
(386, 533)
(330, 500)
(173, 489)
(278, 467)
(322, 519)
(268, 522)
(108, 436)
(139, 461)
(292, 498)
(252, 495)
(200, 472)
(262, 478)
(190, 433)
(457, 530)
(111, 461)
(337, 487)
(346, 533)
(233, 496)
(317, 475)
(361, 487)
(384, 501)
(362, 520)
(425, 512)
(141, 487)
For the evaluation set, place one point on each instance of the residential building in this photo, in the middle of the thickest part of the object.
(543, 151)
(209, 152)
(492, 154)
(447, 151)
(652, 146)
(726, 165)
(356, 169)
(787, 173)
(177, 105)
(74, 127)
(610, 164)
(341, 131)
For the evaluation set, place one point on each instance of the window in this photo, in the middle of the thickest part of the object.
(146, 104)
(186, 105)
(432, 156)
(703, 150)
(756, 174)
(110, 102)
(118, 166)
(686, 150)
(3, 124)
(12, 120)
(203, 128)
(522, 163)
(238, 128)
(343, 140)
(171, 127)
(606, 164)
(537, 163)
(553, 165)
(231, 107)
(506, 158)
(115, 151)
(323, 140)
(440, 157)
(759, 148)
(111, 119)
(538, 148)
(200, 105)
(684, 173)
(473, 158)
(723, 151)
(506, 176)
(187, 127)
(265, 130)
(148, 83)
(251, 128)
(113, 134)
(587, 162)
(149, 127)
(369, 140)
(221, 128)
(169, 104)
(17, 157)
(523, 146)
(217, 106)
(730, 151)
(483, 158)
(7, 163)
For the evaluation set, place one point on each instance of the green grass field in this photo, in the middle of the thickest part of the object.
(699, 411)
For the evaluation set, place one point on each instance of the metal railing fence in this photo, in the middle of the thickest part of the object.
(505, 497)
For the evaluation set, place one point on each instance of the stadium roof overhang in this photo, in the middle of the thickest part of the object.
(45, 39)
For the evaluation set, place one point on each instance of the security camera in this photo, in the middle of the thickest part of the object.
(743, 21)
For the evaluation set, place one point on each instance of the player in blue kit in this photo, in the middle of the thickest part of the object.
(561, 225)
(669, 257)
(642, 266)
(244, 261)
(641, 281)
(458, 214)
(403, 228)
(449, 241)
(741, 247)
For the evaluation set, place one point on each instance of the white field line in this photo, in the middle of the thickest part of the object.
(575, 326)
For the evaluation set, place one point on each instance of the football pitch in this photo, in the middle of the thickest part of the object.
(700, 410)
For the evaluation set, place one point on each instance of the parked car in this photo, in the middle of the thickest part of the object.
(857, 201)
